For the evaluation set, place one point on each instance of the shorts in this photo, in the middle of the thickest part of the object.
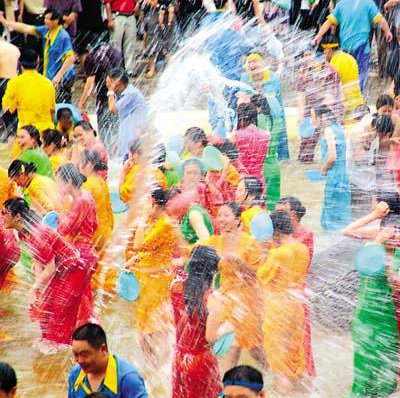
(165, 4)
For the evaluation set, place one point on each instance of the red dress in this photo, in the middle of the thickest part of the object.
(59, 302)
(9, 252)
(305, 236)
(195, 369)
(78, 227)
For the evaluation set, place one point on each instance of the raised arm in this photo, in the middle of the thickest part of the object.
(17, 26)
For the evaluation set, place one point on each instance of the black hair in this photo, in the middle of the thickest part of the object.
(361, 111)
(136, 146)
(330, 38)
(172, 192)
(229, 149)
(86, 126)
(52, 136)
(384, 99)
(19, 166)
(92, 333)
(247, 115)
(259, 101)
(28, 58)
(389, 220)
(203, 265)
(19, 206)
(196, 134)
(119, 74)
(33, 132)
(244, 373)
(94, 158)
(55, 15)
(159, 195)
(96, 395)
(159, 156)
(323, 111)
(70, 173)
(383, 125)
(220, 4)
(235, 208)
(295, 205)
(253, 187)
(8, 378)
(63, 113)
(281, 222)
(391, 198)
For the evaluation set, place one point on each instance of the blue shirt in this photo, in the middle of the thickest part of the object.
(120, 381)
(355, 18)
(132, 113)
(226, 47)
(56, 50)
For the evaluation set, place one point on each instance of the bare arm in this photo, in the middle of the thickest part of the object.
(70, 18)
(21, 8)
(69, 61)
(322, 30)
(330, 140)
(197, 223)
(110, 22)
(87, 91)
(17, 26)
(386, 29)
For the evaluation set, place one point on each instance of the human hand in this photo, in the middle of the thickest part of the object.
(384, 235)
(315, 41)
(390, 4)
(81, 105)
(56, 80)
(389, 36)
(381, 210)
(110, 25)
(323, 172)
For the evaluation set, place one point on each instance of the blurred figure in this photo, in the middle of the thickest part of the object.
(69, 10)
(8, 381)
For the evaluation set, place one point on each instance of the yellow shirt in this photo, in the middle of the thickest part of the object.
(33, 96)
(7, 187)
(57, 161)
(347, 68)
(128, 186)
(248, 215)
(98, 188)
(42, 194)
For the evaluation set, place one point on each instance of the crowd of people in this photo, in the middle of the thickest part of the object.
(214, 245)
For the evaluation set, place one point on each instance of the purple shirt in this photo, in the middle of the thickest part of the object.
(66, 7)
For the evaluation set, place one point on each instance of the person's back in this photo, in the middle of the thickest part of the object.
(9, 55)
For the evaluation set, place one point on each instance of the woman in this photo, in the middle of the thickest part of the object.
(336, 211)
(39, 191)
(248, 196)
(376, 347)
(271, 169)
(86, 138)
(296, 211)
(251, 141)
(77, 224)
(240, 257)
(195, 368)
(282, 278)
(54, 147)
(59, 274)
(150, 254)
(195, 179)
(7, 186)
(194, 220)
(29, 142)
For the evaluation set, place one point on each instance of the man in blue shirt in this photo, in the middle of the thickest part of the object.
(355, 19)
(129, 104)
(100, 371)
(58, 56)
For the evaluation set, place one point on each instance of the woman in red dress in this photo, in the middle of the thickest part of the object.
(303, 235)
(195, 369)
(78, 224)
(59, 273)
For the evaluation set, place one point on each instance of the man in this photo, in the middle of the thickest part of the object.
(8, 381)
(69, 9)
(317, 83)
(122, 25)
(58, 54)
(102, 59)
(31, 95)
(129, 104)
(243, 382)
(355, 20)
(347, 68)
(100, 371)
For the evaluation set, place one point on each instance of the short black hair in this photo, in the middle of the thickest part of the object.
(19, 166)
(55, 15)
(28, 58)
(196, 134)
(246, 115)
(295, 205)
(253, 187)
(244, 373)
(87, 126)
(384, 99)
(69, 173)
(220, 4)
(8, 378)
(92, 333)
(63, 112)
(383, 125)
(52, 136)
(330, 39)
(281, 222)
(119, 74)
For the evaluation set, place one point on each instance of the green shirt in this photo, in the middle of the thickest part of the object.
(39, 159)
(186, 227)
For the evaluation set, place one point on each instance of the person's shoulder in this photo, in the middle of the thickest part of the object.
(74, 372)
(128, 374)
